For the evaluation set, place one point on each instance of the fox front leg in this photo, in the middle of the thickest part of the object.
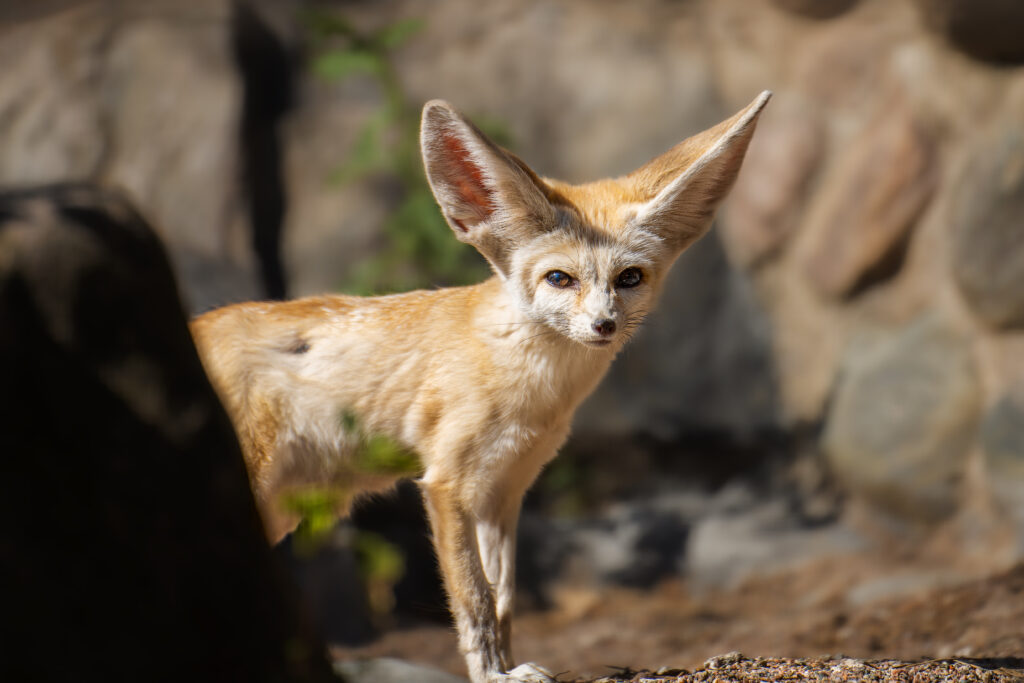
(497, 541)
(469, 592)
(496, 537)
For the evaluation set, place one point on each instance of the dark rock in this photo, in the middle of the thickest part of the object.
(988, 230)
(989, 30)
(713, 537)
(904, 414)
(816, 9)
(636, 543)
(744, 530)
(133, 548)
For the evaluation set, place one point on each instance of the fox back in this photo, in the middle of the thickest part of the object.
(481, 382)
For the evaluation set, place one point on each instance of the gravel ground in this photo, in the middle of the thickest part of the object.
(735, 667)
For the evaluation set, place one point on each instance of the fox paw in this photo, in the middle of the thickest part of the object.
(524, 673)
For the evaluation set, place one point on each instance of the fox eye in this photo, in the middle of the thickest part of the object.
(630, 277)
(557, 278)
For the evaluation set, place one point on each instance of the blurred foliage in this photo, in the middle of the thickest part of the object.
(381, 563)
(421, 251)
(378, 454)
(319, 508)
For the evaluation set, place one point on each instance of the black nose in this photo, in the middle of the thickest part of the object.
(604, 327)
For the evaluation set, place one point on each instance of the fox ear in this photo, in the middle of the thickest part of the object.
(682, 188)
(489, 197)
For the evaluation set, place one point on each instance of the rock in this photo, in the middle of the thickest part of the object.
(904, 414)
(840, 65)
(988, 229)
(1002, 441)
(330, 228)
(989, 30)
(816, 9)
(633, 545)
(769, 196)
(504, 61)
(145, 96)
(54, 128)
(722, 661)
(732, 542)
(715, 538)
(135, 549)
(869, 204)
(391, 670)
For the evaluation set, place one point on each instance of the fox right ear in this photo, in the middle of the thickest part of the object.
(682, 187)
(490, 198)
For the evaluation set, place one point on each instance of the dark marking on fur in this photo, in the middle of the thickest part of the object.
(298, 346)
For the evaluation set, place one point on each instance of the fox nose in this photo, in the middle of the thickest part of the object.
(604, 327)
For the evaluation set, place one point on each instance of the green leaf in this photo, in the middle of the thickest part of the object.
(382, 455)
(325, 24)
(338, 64)
(319, 509)
(368, 153)
(391, 37)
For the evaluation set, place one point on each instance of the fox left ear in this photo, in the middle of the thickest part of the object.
(683, 187)
(490, 198)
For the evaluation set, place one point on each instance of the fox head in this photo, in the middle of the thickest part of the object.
(586, 260)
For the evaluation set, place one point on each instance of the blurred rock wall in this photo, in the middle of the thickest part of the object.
(866, 280)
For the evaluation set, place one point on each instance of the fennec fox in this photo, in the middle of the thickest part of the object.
(481, 381)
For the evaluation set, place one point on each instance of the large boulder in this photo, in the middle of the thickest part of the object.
(987, 226)
(869, 205)
(902, 419)
(771, 193)
(145, 96)
(133, 548)
(1002, 442)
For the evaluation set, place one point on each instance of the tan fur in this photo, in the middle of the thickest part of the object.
(481, 381)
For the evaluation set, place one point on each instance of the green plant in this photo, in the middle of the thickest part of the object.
(318, 508)
(420, 250)
(378, 454)
(381, 563)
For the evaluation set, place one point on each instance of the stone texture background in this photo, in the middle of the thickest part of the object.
(861, 299)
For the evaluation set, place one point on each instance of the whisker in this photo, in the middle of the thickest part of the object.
(535, 336)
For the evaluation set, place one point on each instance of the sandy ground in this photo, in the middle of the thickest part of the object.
(809, 611)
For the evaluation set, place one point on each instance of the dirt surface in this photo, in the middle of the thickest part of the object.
(849, 605)
(735, 667)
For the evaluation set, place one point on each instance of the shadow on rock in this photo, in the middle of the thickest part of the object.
(133, 549)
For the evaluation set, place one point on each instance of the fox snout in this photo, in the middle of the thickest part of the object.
(598, 314)
(604, 327)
